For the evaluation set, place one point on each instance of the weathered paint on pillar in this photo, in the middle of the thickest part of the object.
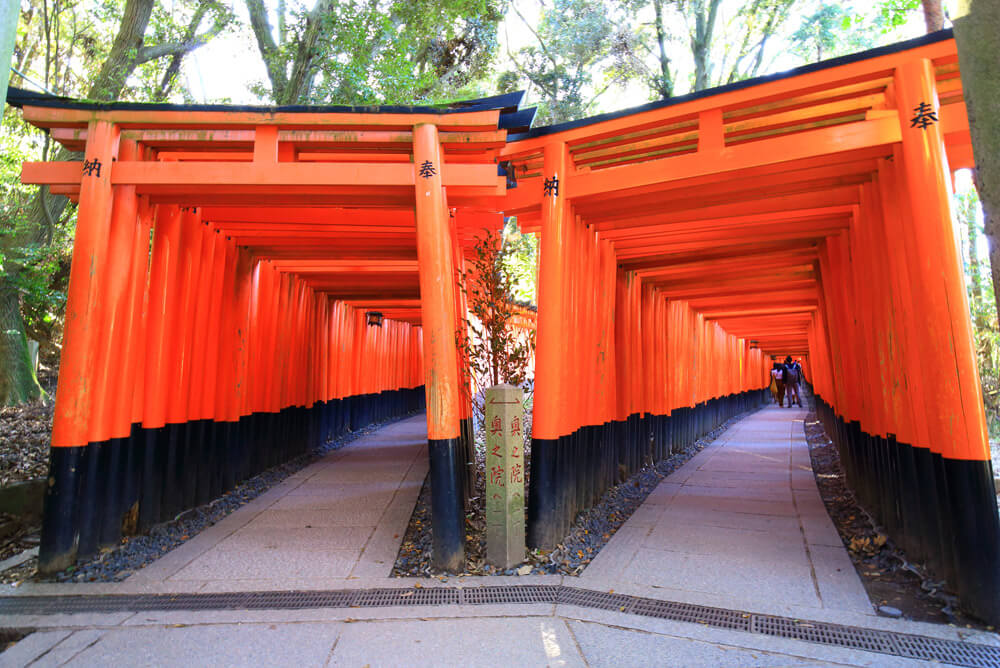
(504, 476)
(437, 296)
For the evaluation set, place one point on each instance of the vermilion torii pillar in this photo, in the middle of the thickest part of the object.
(437, 296)
(84, 319)
(959, 420)
(545, 492)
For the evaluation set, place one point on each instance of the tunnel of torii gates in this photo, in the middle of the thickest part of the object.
(230, 263)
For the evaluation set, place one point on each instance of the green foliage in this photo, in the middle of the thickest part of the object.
(379, 52)
(832, 29)
(570, 64)
(33, 262)
(494, 350)
(894, 13)
(104, 49)
(42, 282)
(520, 262)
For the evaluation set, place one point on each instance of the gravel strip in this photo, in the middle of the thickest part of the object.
(590, 532)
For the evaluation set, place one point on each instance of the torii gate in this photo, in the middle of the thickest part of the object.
(684, 243)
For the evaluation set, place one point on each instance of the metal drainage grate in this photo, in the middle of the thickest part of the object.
(511, 594)
(949, 651)
(869, 640)
(596, 599)
(696, 614)
(297, 600)
(828, 634)
(382, 597)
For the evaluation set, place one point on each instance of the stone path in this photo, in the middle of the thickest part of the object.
(740, 526)
(341, 518)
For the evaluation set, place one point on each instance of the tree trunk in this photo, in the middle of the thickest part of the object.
(933, 15)
(977, 32)
(18, 383)
(269, 51)
(122, 59)
(701, 42)
(665, 84)
(47, 208)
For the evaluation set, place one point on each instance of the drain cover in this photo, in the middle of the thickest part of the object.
(868, 640)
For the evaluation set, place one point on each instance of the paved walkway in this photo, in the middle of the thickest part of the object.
(339, 519)
(740, 526)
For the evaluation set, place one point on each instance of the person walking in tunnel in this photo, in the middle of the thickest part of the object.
(792, 375)
(778, 384)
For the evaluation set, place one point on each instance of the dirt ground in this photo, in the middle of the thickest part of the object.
(888, 578)
(24, 442)
(25, 430)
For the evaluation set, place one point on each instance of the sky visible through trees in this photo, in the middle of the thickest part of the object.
(809, 30)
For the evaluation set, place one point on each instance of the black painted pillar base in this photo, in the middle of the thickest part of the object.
(543, 503)
(60, 535)
(468, 453)
(976, 531)
(447, 508)
(940, 511)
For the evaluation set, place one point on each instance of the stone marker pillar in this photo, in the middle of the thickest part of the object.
(504, 476)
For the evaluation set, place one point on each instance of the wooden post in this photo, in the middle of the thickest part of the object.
(84, 315)
(953, 374)
(549, 400)
(437, 296)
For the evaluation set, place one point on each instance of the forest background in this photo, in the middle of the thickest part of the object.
(574, 58)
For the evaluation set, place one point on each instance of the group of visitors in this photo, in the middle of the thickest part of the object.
(785, 381)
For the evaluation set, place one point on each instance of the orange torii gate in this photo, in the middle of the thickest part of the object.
(684, 245)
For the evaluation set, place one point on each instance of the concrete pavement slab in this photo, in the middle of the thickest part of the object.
(297, 538)
(839, 585)
(735, 520)
(237, 564)
(611, 563)
(344, 506)
(712, 540)
(609, 646)
(294, 645)
(318, 517)
(464, 642)
(789, 581)
(31, 647)
(755, 641)
(738, 527)
(68, 648)
(320, 524)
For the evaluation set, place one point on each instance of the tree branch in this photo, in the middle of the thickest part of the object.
(190, 38)
(148, 53)
(268, 49)
(305, 54)
(538, 37)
